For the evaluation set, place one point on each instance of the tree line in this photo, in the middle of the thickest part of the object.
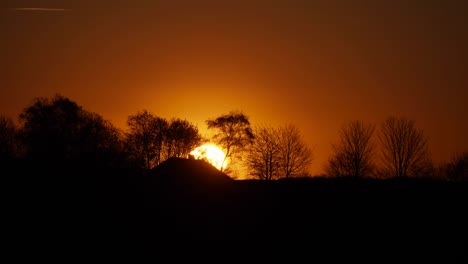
(397, 149)
(56, 131)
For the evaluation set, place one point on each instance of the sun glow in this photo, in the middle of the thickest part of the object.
(211, 153)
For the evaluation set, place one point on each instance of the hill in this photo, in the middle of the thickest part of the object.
(184, 200)
(188, 171)
(190, 200)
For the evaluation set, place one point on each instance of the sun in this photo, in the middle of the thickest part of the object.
(211, 153)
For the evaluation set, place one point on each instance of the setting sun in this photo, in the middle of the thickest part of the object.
(211, 153)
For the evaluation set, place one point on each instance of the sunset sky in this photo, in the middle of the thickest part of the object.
(315, 64)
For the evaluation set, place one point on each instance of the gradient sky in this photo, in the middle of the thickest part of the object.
(315, 64)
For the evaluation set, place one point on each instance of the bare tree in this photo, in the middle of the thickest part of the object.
(145, 138)
(352, 156)
(336, 165)
(404, 149)
(295, 156)
(233, 133)
(457, 168)
(263, 159)
(278, 153)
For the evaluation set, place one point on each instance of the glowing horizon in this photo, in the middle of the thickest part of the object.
(316, 66)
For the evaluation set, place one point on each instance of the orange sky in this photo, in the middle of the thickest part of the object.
(315, 64)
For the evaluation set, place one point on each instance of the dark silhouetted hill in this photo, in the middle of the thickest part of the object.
(179, 178)
(188, 172)
(185, 199)
(190, 199)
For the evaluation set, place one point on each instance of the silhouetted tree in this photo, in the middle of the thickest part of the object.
(181, 138)
(337, 165)
(457, 168)
(278, 153)
(9, 145)
(352, 156)
(58, 130)
(233, 133)
(48, 127)
(102, 141)
(263, 158)
(145, 139)
(404, 149)
(295, 156)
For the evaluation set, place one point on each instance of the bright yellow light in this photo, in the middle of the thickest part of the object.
(210, 153)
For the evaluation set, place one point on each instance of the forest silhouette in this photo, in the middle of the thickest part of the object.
(75, 176)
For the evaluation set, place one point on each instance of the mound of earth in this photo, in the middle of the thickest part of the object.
(190, 172)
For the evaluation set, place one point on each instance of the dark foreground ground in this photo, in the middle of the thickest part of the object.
(154, 209)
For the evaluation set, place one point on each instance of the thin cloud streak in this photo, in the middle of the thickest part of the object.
(41, 9)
